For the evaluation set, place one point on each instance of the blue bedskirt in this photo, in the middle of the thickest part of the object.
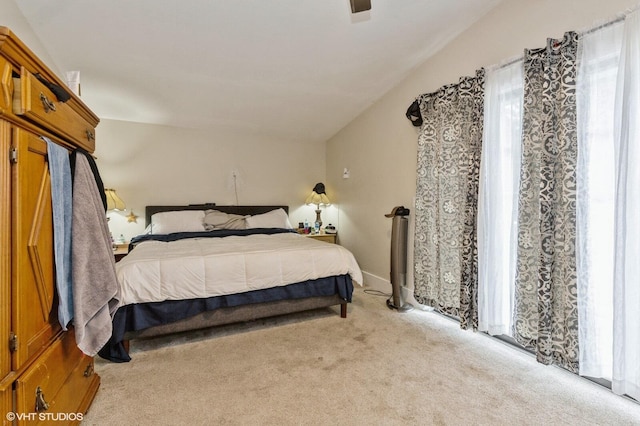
(144, 315)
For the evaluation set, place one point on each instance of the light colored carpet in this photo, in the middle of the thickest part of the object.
(377, 367)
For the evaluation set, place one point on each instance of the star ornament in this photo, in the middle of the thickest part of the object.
(132, 218)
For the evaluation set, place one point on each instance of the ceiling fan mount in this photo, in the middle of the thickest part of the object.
(360, 5)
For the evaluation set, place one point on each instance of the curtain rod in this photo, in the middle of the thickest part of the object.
(606, 24)
(509, 63)
(581, 33)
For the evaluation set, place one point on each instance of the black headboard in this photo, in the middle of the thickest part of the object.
(244, 210)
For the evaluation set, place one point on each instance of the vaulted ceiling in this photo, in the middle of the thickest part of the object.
(296, 70)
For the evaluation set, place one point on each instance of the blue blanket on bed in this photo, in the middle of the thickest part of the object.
(218, 233)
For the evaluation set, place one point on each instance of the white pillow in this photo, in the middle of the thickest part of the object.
(273, 219)
(177, 221)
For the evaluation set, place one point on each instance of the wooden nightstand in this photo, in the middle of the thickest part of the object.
(329, 238)
(120, 251)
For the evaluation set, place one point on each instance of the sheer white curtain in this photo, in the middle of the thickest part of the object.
(608, 202)
(598, 59)
(498, 197)
(608, 235)
(626, 296)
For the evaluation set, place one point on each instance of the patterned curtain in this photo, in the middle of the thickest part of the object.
(446, 255)
(545, 314)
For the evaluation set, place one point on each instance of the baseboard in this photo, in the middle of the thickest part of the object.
(374, 282)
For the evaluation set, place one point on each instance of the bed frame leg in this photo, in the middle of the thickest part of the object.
(343, 310)
(125, 343)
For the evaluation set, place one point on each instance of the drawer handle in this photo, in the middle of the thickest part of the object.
(47, 104)
(90, 136)
(41, 404)
(88, 372)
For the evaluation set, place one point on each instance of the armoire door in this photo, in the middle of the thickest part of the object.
(33, 317)
(5, 269)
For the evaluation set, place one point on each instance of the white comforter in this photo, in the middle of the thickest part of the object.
(203, 267)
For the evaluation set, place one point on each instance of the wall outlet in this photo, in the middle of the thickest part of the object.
(345, 173)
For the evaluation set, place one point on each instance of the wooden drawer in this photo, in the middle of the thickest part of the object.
(328, 238)
(60, 383)
(78, 391)
(35, 101)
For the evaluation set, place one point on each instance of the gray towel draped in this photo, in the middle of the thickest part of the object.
(95, 286)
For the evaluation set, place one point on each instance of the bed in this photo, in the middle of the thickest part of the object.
(246, 264)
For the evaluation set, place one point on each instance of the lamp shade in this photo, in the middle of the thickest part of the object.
(113, 201)
(318, 196)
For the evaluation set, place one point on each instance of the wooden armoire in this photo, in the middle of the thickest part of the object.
(44, 377)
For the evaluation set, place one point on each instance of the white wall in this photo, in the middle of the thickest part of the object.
(150, 164)
(11, 17)
(379, 147)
